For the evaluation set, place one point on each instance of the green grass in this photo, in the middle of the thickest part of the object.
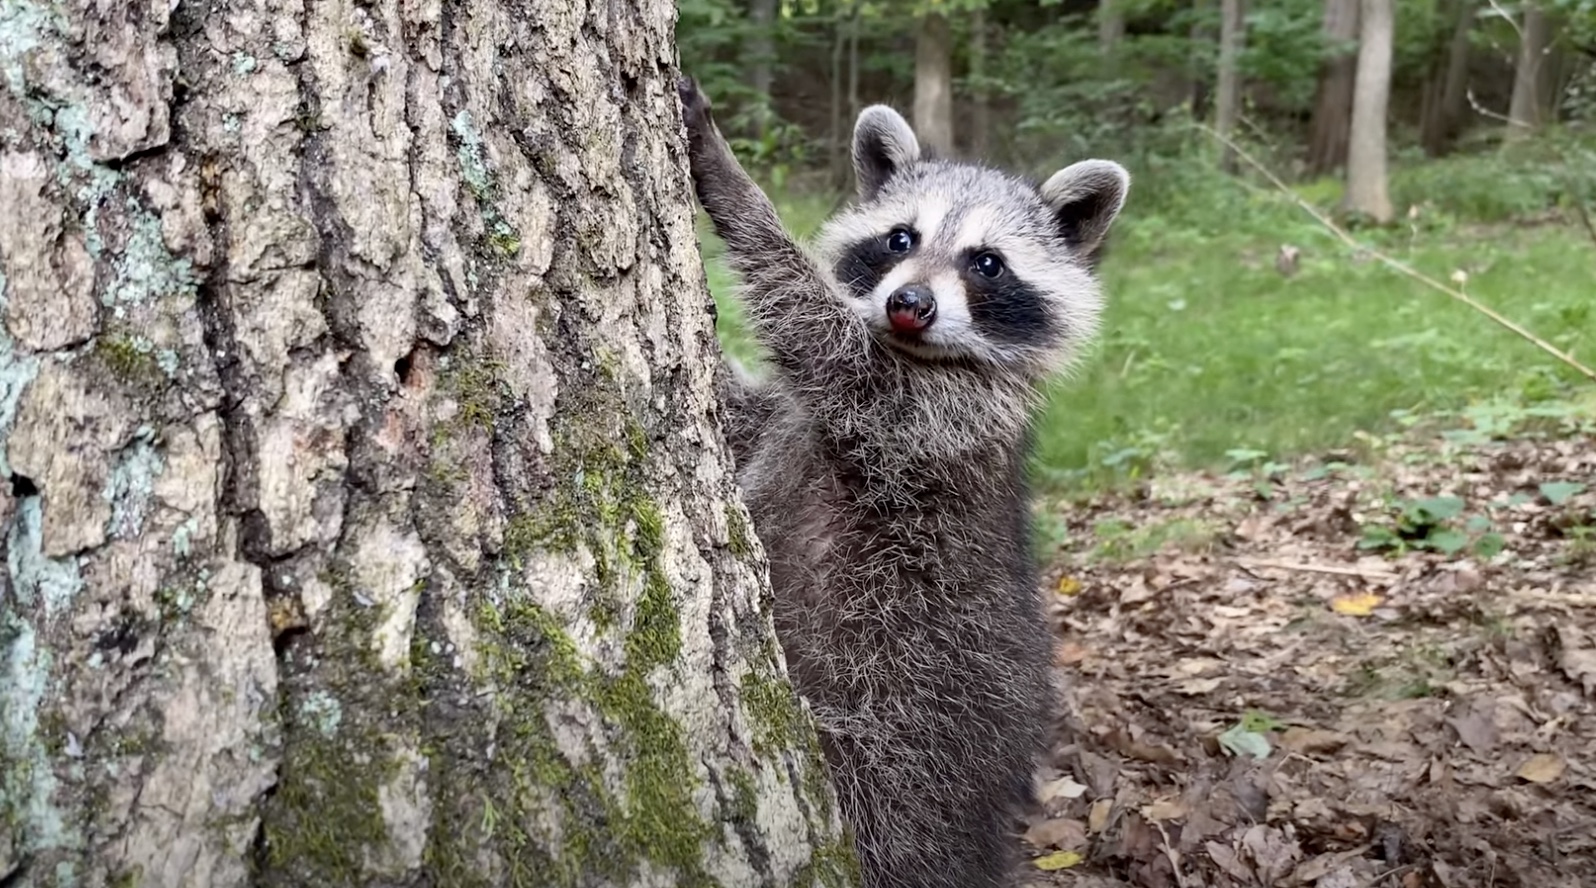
(1206, 348)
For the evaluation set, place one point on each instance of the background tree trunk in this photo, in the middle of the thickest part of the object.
(980, 118)
(933, 84)
(1366, 156)
(366, 517)
(1439, 127)
(761, 61)
(1228, 110)
(1526, 112)
(1110, 29)
(1200, 38)
(1332, 108)
(837, 149)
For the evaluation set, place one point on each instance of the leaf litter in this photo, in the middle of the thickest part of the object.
(1364, 673)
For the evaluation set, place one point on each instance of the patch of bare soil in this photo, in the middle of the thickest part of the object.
(1331, 674)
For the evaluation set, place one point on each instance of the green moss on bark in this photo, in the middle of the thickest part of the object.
(641, 810)
(324, 823)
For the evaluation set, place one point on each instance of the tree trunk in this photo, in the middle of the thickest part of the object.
(1332, 108)
(933, 84)
(837, 150)
(760, 61)
(366, 518)
(1231, 24)
(1110, 28)
(1440, 126)
(980, 113)
(1526, 113)
(1199, 63)
(1366, 160)
(854, 106)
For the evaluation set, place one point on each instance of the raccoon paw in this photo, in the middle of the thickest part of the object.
(695, 106)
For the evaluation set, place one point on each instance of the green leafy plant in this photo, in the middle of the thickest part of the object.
(1431, 524)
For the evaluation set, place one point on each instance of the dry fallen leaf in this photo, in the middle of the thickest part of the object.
(1355, 604)
(1164, 809)
(1069, 653)
(1097, 818)
(1065, 834)
(1308, 741)
(1543, 768)
(1198, 686)
(1476, 727)
(1063, 788)
(1068, 585)
(1058, 860)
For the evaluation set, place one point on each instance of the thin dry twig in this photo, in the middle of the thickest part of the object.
(1402, 267)
(1253, 563)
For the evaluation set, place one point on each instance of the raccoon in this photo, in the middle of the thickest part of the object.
(882, 461)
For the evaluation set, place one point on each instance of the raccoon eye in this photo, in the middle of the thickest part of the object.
(900, 240)
(987, 265)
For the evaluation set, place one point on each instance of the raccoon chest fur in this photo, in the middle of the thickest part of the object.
(915, 634)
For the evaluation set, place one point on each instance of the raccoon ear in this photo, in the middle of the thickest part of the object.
(1086, 197)
(883, 144)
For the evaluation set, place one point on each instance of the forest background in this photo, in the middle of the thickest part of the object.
(1240, 327)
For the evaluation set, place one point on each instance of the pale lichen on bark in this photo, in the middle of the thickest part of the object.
(366, 519)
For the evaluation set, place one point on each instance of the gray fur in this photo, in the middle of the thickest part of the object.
(886, 483)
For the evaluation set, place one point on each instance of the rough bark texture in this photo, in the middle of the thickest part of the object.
(1228, 104)
(1526, 112)
(1332, 107)
(1366, 161)
(366, 515)
(933, 84)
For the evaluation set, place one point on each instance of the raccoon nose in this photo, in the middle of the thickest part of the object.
(911, 309)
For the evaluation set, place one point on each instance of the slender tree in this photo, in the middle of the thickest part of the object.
(1332, 105)
(1526, 111)
(933, 82)
(1366, 158)
(1232, 24)
(761, 54)
(1110, 28)
(1444, 114)
(980, 110)
(366, 516)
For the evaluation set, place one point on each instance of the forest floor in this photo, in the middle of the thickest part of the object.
(1356, 671)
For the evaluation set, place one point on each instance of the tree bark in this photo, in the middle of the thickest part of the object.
(367, 517)
(933, 84)
(1526, 111)
(1228, 110)
(1332, 108)
(1366, 156)
(1440, 126)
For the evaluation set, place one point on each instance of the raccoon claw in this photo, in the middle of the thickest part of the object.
(695, 105)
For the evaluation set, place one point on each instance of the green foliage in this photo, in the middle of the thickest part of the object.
(1437, 524)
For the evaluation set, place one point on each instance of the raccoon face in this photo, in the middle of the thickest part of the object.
(954, 261)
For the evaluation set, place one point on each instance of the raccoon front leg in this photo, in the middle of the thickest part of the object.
(809, 334)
